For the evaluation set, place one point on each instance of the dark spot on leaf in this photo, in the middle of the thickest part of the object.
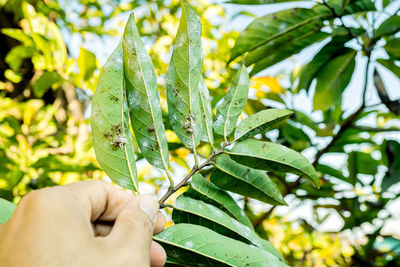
(114, 98)
(151, 129)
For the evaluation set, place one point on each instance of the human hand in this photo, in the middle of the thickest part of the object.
(87, 223)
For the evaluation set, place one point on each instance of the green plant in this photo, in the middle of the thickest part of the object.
(127, 95)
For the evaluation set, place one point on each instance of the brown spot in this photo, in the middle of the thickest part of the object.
(114, 98)
(151, 129)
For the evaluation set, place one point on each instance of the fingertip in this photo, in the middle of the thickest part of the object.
(160, 224)
(149, 205)
(158, 256)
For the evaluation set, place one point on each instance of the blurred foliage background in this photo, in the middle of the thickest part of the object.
(50, 58)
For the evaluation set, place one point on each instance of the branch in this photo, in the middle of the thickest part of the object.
(376, 130)
(349, 30)
(185, 180)
(350, 119)
(348, 122)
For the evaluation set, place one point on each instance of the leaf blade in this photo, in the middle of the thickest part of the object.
(193, 211)
(184, 73)
(240, 179)
(233, 103)
(259, 122)
(203, 247)
(206, 113)
(270, 156)
(203, 190)
(112, 140)
(143, 98)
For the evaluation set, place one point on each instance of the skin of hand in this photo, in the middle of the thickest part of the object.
(87, 223)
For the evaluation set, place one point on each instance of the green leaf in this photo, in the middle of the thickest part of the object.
(17, 54)
(392, 47)
(112, 138)
(86, 63)
(267, 28)
(326, 169)
(333, 80)
(237, 178)
(233, 103)
(295, 136)
(273, 157)
(202, 189)
(45, 81)
(6, 210)
(197, 245)
(283, 48)
(360, 163)
(206, 112)
(388, 27)
(143, 98)
(259, 122)
(390, 65)
(331, 50)
(183, 77)
(193, 211)
(19, 35)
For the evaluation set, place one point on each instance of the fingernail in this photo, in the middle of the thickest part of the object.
(149, 205)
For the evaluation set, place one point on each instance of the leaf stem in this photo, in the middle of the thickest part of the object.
(195, 169)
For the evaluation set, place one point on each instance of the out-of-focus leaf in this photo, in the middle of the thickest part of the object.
(319, 61)
(112, 138)
(86, 63)
(390, 65)
(393, 106)
(193, 211)
(19, 35)
(295, 136)
(267, 28)
(326, 169)
(233, 103)
(202, 189)
(183, 77)
(206, 113)
(240, 179)
(333, 79)
(274, 157)
(143, 98)
(45, 81)
(388, 27)
(6, 210)
(259, 122)
(360, 163)
(392, 176)
(17, 54)
(205, 247)
(284, 47)
(392, 47)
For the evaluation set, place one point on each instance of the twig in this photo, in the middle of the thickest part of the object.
(195, 169)
(340, 17)
(374, 129)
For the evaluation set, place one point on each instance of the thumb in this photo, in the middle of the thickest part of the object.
(133, 227)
